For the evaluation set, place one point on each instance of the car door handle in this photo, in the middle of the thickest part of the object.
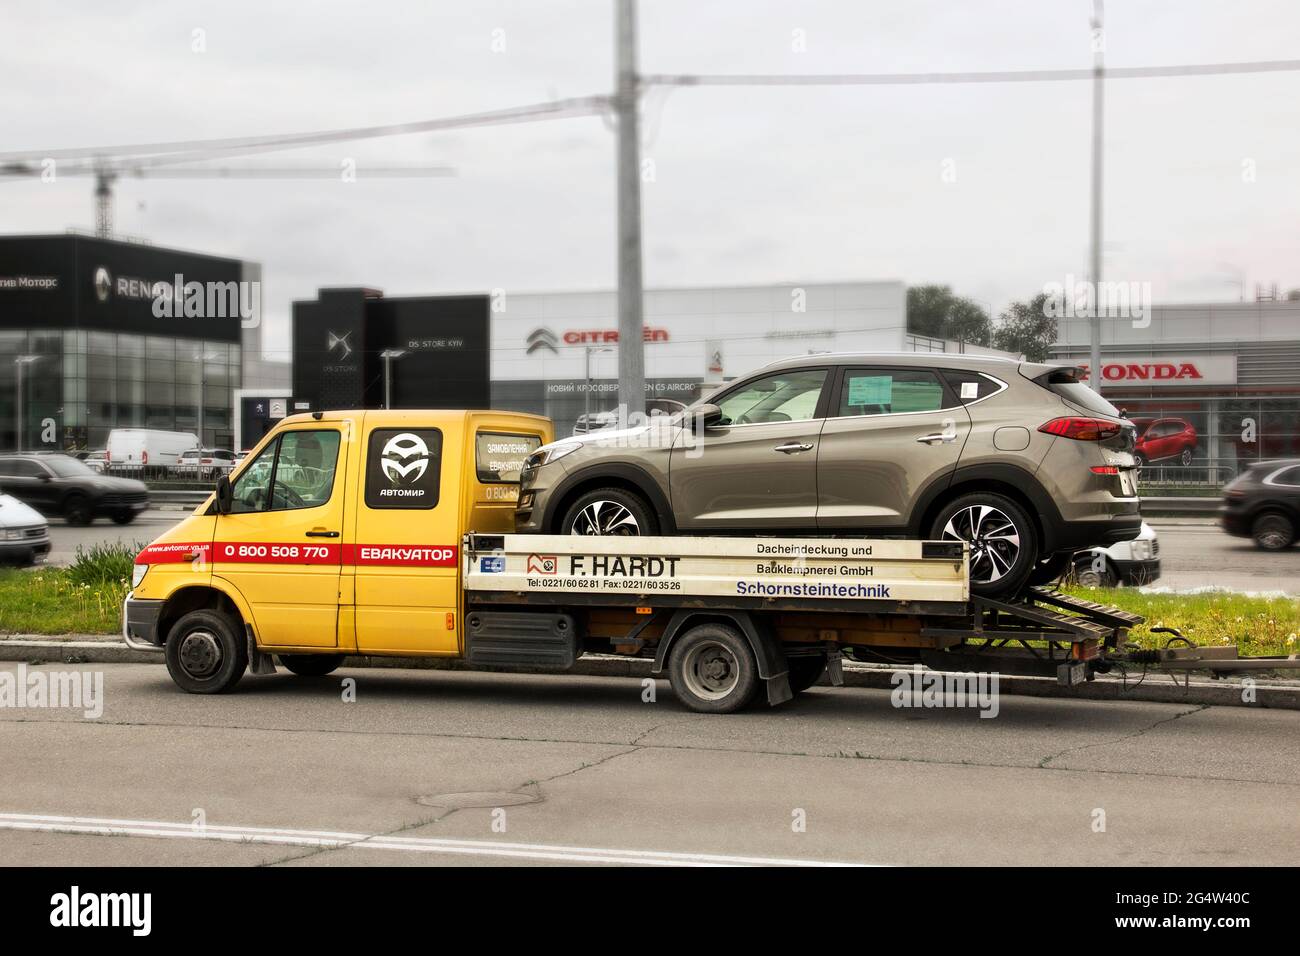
(794, 447)
(944, 437)
(322, 534)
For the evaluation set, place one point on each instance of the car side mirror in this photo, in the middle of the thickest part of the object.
(705, 416)
(225, 497)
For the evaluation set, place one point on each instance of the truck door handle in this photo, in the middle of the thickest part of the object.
(793, 447)
(322, 534)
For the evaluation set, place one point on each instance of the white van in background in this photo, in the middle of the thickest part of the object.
(147, 449)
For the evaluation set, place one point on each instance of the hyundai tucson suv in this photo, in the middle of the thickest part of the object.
(1022, 460)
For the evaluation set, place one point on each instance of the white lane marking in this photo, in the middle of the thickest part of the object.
(332, 839)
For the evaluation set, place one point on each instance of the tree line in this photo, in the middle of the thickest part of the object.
(1023, 328)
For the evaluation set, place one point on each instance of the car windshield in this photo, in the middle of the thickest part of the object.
(66, 467)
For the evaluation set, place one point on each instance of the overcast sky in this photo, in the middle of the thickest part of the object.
(750, 186)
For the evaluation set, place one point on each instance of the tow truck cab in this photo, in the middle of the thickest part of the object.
(339, 533)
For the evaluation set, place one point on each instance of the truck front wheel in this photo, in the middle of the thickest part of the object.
(206, 652)
(712, 669)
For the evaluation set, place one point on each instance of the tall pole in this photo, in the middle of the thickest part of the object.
(631, 342)
(1098, 88)
(388, 380)
(18, 405)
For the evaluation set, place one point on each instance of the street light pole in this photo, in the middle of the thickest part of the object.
(1098, 89)
(389, 355)
(19, 362)
(631, 342)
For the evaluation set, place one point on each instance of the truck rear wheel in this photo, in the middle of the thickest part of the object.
(311, 665)
(712, 669)
(206, 652)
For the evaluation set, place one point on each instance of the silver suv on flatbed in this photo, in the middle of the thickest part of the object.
(1022, 460)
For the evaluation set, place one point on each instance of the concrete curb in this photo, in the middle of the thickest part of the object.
(1156, 688)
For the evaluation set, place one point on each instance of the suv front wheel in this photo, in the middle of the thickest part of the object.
(609, 511)
(1003, 540)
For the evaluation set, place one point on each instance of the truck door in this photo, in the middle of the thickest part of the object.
(407, 540)
(281, 545)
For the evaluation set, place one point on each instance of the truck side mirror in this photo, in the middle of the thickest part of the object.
(225, 498)
(705, 416)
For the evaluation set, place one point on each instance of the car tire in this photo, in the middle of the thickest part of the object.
(1272, 532)
(311, 665)
(1001, 566)
(123, 516)
(1050, 568)
(609, 511)
(1089, 575)
(803, 672)
(77, 510)
(712, 669)
(206, 652)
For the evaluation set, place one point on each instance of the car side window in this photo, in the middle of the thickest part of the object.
(970, 386)
(1290, 477)
(783, 397)
(880, 391)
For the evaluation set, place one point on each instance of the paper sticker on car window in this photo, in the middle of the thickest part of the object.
(871, 390)
(970, 390)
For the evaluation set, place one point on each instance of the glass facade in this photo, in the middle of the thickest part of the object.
(82, 384)
(1219, 435)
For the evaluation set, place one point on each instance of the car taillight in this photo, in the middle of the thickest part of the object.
(1081, 429)
(1104, 470)
(144, 458)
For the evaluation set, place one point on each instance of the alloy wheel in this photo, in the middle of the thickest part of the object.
(993, 537)
(605, 518)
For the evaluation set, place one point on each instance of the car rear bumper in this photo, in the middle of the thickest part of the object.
(140, 623)
(1234, 522)
(1081, 535)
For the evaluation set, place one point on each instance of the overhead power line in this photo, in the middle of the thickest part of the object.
(990, 76)
(554, 109)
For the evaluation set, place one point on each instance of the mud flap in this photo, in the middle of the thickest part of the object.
(259, 662)
(834, 666)
(778, 689)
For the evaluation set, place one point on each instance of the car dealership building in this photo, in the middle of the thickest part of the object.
(97, 334)
(1222, 377)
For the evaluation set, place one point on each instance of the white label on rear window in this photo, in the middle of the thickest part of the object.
(970, 390)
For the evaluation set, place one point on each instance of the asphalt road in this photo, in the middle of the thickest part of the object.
(419, 768)
(1193, 552)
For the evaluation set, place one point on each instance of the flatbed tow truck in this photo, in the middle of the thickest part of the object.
(388, 533)
(731, 619)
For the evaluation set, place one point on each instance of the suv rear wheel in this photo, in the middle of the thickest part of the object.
(609, 511)
(1272, 532)
(1002, 538)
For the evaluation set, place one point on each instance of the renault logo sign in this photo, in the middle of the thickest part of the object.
(103, 284)
(542, 338)
(404, 458)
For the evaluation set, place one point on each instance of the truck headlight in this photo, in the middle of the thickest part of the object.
(138, 571)
(1141, 550)
(13, 534)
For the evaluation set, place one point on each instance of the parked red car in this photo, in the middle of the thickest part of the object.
(1161, 438)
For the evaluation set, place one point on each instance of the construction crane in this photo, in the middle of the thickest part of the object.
(106, 172)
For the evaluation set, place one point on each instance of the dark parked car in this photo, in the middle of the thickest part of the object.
(1159, 439)
(1263, 503)
(61, 485)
